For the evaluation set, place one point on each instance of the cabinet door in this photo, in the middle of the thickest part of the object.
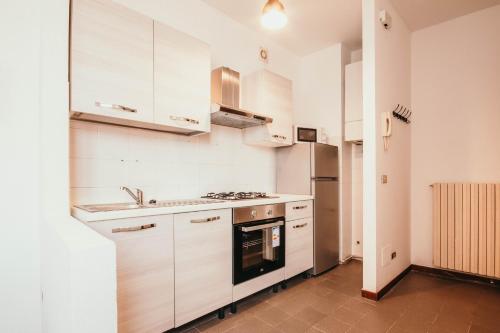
(203, 263)
(298, 246)
(277, 99)
(111, 61)
(354, 102)
(144, 271)
(299, 210)
(269, 94)
(354, 92)
(182, 80)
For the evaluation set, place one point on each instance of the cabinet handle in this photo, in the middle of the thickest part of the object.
(281, 137)
(115, 106)
(207, 220)
(137, 228)
(300, 207)
(189, 120)
(300, 225)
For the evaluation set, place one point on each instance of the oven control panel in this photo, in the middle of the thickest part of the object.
(255, 213)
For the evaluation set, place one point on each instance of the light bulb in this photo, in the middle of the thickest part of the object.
(273, 15)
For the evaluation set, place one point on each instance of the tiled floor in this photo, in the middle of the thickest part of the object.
(332, 303)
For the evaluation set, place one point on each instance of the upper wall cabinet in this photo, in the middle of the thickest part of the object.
(354, 102)
(182, 79)
(111, 61)
(128, 70)
(270, 95)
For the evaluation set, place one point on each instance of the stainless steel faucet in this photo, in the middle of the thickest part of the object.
(139, 197)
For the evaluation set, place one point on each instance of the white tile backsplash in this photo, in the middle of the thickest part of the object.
(166, 166)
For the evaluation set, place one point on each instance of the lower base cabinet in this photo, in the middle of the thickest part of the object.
(203, 263)
(298, 246)
(144, 272)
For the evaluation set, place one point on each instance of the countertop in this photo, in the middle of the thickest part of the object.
(85, 216)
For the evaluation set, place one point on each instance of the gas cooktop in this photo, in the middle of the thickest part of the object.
(237, 195)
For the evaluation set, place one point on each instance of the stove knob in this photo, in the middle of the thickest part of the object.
(253, 213)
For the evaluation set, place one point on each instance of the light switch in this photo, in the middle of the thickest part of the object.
(384, 179)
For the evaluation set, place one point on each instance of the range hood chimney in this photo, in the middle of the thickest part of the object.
(226, 101)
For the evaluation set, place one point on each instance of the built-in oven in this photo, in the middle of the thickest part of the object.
(258, 241)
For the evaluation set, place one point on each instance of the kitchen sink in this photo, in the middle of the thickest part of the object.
(158, 204)
(109, 207)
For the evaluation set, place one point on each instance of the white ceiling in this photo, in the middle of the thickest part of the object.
(316, 24)
(312, 24)
(419, 14)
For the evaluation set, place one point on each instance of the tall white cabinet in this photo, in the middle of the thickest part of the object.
(269, 94)
(354, 101)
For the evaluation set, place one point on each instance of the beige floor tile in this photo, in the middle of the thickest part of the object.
(293, 325)
(309, 315)
(272, 316)
(347, 316)
(332, 325)
(251, 325)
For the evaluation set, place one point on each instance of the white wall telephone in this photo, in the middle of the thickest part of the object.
(386, 128)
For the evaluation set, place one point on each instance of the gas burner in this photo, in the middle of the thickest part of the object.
(237, 195)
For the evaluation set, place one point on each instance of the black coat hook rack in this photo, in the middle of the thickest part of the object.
(402, 113)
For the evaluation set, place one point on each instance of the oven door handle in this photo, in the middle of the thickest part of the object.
(262, 226)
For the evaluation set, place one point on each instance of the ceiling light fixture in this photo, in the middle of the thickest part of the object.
(273, 15)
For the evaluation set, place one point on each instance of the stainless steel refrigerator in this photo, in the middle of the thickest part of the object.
(313, 168)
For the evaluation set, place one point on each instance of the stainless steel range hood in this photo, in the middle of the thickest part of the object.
(226, 101)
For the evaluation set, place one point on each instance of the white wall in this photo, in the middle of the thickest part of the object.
(356, 55)
(46, 252)
(163, 165)
(357, 201)
(20, 294)
(319, 102)
(357, 185)
(232, 43)
(456, 113)
(386, 82)
(318, 92)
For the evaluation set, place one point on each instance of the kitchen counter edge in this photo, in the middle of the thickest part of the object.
(85, 216)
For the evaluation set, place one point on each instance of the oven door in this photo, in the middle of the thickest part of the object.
(259, 248)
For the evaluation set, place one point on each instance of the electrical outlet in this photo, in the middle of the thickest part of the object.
(393, 255)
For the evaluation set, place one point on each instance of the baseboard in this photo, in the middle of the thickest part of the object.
(378, 295)
(346, 260)
(370, 295)
(439, 272)
(456, 275)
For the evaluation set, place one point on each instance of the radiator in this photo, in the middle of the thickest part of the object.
(466, 227)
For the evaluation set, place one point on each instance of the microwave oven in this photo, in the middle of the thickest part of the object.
(308, 134)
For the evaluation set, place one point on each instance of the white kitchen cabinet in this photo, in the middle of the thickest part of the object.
(182, 80)
(269, 94)
(299, 210)
(203, 263)
(111, 66)
(354, 102)
(298, 246)
(144, 271)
